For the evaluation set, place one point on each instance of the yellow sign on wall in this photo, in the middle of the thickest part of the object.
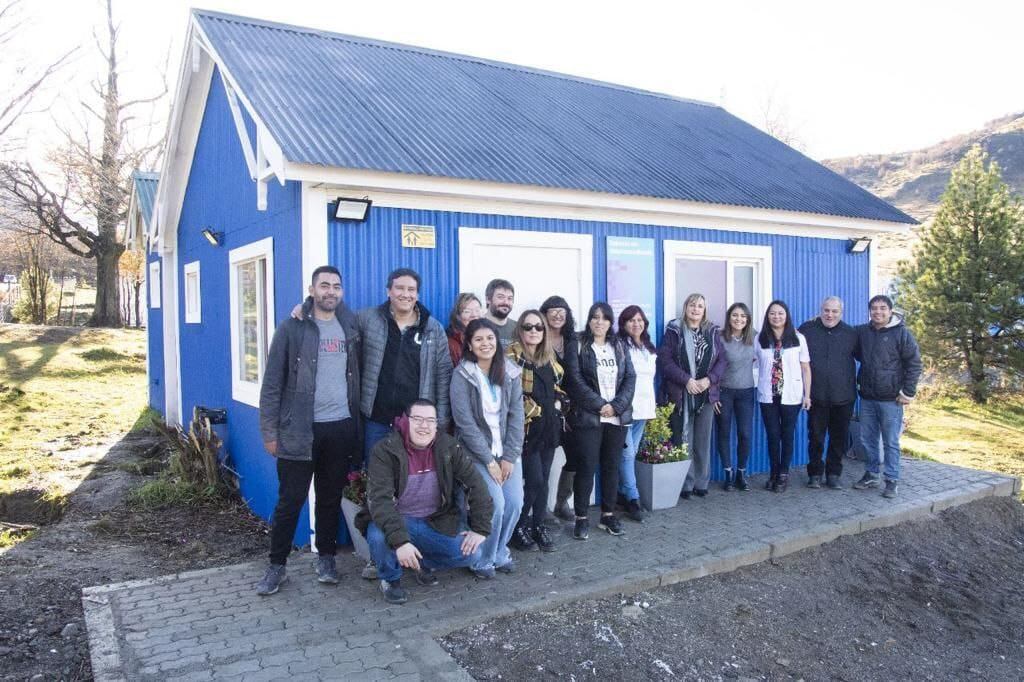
(418, 237)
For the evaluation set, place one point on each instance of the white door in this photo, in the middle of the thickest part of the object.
(539, 264)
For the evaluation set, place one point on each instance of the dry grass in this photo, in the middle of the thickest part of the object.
(956, 431)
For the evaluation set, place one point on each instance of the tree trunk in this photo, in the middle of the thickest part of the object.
(138, 289)
(107, 312)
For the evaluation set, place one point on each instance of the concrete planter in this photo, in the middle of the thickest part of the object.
(351, 509)
(660, 484)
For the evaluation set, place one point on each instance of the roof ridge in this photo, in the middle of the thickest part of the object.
(374, 42)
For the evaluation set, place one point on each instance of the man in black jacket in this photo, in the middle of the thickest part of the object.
(890, 365)
(309, 421)
(413, 520)
(832, 344)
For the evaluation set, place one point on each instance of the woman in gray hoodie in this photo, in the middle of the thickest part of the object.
(487, 409)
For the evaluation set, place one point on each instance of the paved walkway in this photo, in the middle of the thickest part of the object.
(209, 624)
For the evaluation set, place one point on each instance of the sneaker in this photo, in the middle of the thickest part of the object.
(611, 524)
(891, 488)
(686, 494)
(833, 483)
(814, 482)
(507, 569)
(635, 512)
(868, 480)
(563, 512)
(581, 531)
(482, 573)
(770, 483)
(275, 576)
(781, 483)
(700, 492)
(728, 485)
(741, 482)
(393, 591)
(521, 540)
(369, 571)
(426, 577)
(326, 570)
(543, 538)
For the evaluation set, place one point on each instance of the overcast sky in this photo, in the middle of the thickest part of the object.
(849, 78)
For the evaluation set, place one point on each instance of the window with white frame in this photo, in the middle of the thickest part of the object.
(193, 300)
(252, 316)
(723, 273)
(154, 284)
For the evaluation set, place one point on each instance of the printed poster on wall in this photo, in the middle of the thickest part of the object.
(631, 275)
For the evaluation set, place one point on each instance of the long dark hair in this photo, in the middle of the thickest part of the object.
(587, 336)
(497, 372)
(747, 335)
(767, 337)
(569, 328)
(625, 316)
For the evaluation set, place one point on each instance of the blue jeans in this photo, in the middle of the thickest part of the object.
(508, 504)
(439, 551)
(374, 433)
(737, 404)
(627, 467)
(882, 421)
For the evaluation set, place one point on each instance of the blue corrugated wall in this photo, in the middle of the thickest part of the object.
(805, 270)
(155, 340)
(220, 195)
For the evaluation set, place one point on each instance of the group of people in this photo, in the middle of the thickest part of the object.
(457, 428)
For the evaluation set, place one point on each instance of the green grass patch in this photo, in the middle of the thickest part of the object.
(954, 430)
(168, 491)
(9, 538)
(15, 471)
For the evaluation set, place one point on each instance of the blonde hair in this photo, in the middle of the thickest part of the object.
(544, 353)
(704, 321)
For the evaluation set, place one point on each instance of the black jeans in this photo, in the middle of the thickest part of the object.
(334, 453)
(603, 445)
(738, 404)
(536, 469)
(833, 421)
(780, 427)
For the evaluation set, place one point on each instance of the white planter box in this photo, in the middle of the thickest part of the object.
(351, 509)
(660, 484)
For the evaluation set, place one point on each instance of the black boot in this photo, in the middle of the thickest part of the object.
(728, 484)
(741, 481)
(562, 511)
(781, 483)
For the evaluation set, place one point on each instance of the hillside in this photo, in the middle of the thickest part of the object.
(913, 181)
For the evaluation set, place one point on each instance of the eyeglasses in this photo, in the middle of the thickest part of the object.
(556, 312)
(532, 327)
(423, 421)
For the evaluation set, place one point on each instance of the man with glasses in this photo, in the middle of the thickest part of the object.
(413, 522)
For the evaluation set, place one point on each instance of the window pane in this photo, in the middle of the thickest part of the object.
(248, 324)
(743, 285)
(700, 276)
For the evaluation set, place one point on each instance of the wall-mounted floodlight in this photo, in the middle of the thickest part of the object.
(215, 238)
(352, 209)
(858, 245)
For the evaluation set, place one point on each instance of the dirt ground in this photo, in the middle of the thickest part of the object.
(100, 539)
(935, 599)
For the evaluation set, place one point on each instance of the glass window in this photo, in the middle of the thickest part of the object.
(252, 305)
(193, 303)
(743, 285)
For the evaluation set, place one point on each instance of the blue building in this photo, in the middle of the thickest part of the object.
(474, 169)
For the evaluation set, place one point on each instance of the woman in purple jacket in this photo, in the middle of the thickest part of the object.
(691, 360)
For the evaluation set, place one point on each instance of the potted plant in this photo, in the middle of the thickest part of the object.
(661, 466)
(353, 501)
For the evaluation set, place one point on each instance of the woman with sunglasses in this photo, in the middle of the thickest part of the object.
(542, 403)
(633, 326)
(601, 383)
(783, 388)
(487, 408)
(563, 341)
(466, 309)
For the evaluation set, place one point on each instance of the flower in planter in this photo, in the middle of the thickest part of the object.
(355, 491)
(657, 447)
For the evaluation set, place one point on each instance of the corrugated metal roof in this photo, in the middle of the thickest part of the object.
(337, 100)
(145, 193)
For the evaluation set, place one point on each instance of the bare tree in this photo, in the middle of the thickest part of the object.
(93, 180)
(778, 122)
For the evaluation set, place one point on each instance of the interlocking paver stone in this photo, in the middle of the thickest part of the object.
(210, 624)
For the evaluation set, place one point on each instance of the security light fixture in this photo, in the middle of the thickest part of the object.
(352, 209)
(215, 238)
(859, 245)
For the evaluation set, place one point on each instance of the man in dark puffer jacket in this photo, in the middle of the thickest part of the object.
(889, 370)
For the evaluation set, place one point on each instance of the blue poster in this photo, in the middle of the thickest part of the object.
(631, 276)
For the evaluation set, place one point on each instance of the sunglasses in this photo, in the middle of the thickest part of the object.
(532, 327)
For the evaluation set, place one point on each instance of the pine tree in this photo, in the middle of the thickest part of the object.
(964, 289)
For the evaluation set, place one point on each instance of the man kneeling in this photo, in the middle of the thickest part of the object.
(413, 521)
